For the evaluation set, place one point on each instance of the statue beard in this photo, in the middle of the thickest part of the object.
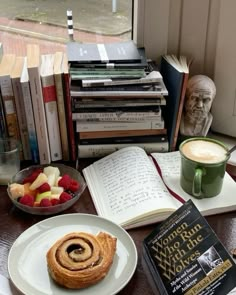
(196, 115)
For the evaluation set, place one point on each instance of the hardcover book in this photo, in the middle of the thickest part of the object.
(175, 74)
(118, 52)
(133, 189)
(184, 256)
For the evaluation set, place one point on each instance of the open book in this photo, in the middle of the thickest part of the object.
(127, 188)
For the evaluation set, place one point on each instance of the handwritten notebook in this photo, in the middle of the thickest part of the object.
(126, 188)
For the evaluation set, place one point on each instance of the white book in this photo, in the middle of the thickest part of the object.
(50, 103)
(58, 77)
(117, 116)
(109, 126)
(127, 189)
(102, 150)
(33, 64)
(20, 108)
(25, 86)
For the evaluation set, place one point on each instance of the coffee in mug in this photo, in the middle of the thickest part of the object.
(203, 165)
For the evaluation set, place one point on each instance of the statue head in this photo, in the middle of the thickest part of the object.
(200, 94)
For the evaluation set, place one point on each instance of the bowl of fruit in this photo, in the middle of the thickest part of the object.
(46, 189)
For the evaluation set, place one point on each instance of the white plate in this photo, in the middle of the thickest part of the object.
(27, 264)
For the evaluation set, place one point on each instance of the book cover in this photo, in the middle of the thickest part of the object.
(112, 65)
(175, 76)
(8, 99)
(50, 103)
(33, 66)
(68, 108)
(58, 77)
(118, 52)
(27, 101)
(184, 256)
(20, 107)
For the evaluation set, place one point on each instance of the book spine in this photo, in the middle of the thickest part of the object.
(121, 133)
(39, 115)
(78, 109)
(9, 107)
(71, 136)
(50, 101)
(117, 116)
(21, 116)
(102, 126)
(95, 151)
(62, 116)
(3, 124)
(126, 139)
(30, 121)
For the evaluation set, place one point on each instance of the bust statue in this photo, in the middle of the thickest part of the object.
(196, 118)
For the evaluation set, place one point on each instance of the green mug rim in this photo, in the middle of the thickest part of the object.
(206, 139)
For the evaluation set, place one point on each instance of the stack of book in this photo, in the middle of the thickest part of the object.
(117, 98)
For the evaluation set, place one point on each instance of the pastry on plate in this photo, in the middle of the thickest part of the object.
(79, 260)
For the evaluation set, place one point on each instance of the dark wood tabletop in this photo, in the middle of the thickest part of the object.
(13, 222)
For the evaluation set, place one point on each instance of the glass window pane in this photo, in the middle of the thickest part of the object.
(45, 23)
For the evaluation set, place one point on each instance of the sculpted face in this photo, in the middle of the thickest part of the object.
(199, 96)
(199, 102)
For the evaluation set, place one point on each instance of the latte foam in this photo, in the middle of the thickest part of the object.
(204, 151)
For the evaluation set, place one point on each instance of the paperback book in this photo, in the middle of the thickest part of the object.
(183, 255)
(118, 52)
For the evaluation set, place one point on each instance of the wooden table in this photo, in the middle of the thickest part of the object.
(13, 222)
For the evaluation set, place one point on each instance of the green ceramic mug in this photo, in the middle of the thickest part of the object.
(203, 165)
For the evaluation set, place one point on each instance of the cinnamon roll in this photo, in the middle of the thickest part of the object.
(79, 260)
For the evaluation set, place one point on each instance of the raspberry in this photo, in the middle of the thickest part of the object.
(65, 181)
(55, 201)
(74, 185)
(64, 197)
(45, 203)
(27, 200)
(31, 178)
(45, 187)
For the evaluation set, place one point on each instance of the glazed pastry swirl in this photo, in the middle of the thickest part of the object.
(79, 260)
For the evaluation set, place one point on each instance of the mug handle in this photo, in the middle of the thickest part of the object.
(197, 183)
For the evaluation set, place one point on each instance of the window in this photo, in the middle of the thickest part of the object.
(45, 23)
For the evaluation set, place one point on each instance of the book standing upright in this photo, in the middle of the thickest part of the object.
(175, 74)
(20, 107)
(50, 104)
(27, 100)
(33, 64)
(58, 76)
(6, 65)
